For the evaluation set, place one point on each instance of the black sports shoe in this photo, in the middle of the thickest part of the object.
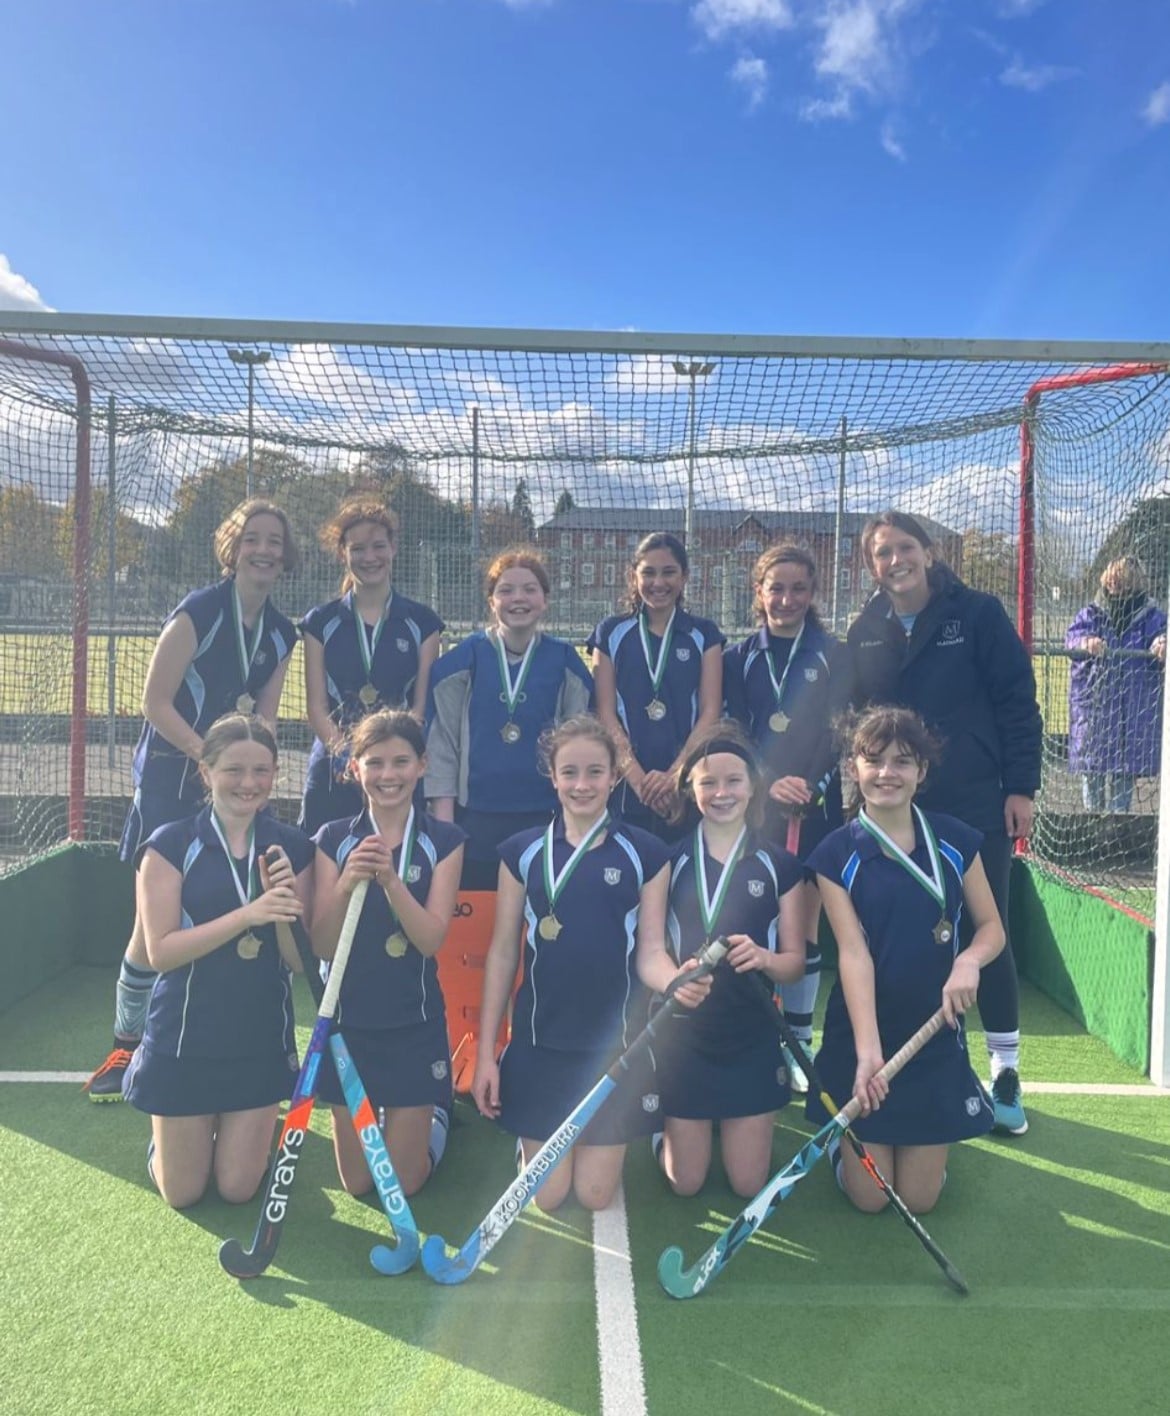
(1009, 1109)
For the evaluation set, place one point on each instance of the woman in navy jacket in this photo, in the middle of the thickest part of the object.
(927, 641)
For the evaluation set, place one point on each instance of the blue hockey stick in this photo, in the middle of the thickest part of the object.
(394, 1202)
(461, 1265)
(682, 1282)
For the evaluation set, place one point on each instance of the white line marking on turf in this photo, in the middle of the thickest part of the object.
(623, 1387)
(77, 1077)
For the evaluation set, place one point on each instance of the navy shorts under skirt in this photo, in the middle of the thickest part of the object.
(148, 811)
(207, 1086)
(933, 1101)
(398, 1066)
(540, 1086)
(698, 1085)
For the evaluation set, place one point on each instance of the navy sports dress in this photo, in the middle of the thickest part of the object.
(394, 669)
(655, 742)
(580, 1002)
(219, 1030)
(724, 1059)
(390, 1009)
(167, 784)
(936, 1099)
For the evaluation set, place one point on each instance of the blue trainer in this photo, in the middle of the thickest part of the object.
(1009, 1109)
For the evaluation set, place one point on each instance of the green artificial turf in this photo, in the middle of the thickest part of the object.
(115, 1304)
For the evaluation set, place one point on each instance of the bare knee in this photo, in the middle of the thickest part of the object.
(237, 1189)
(747, 1184)
(595, 1197)
(547, 1200)
(686, 1184)
(182, 1195)
(869, 1200)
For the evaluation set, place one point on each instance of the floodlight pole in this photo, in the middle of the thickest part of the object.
(693, 370)
(250, 357)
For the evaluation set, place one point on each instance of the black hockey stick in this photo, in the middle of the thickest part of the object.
(764, 993)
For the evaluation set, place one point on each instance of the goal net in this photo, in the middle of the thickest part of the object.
(1034, 468)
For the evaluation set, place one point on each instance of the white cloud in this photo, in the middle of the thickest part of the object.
(1033, 78)
(859, 52)
(891, 143)
(719, 17)
(1157, 109)
(1017, 9)
(751, 74)
(17, 293)
(839, 106)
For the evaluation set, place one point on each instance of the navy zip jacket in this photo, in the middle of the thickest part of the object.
(964, 670)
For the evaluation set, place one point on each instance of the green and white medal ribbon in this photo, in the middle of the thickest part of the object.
(779, 720)
(368, 638)
(709, 906)
(248, 944)
(554, 884)
(944, 930)
(246, 702)
(397, 943)
(655, 709)
(512, 694)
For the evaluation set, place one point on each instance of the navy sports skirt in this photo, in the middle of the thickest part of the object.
(398, 1066)
(207, 1086)
(541, 1086)
(148, 811)
(699, 1085)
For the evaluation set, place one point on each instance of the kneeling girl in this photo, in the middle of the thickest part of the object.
(895, 882)
(724, 1062)
(390, 1009)
(579, 892)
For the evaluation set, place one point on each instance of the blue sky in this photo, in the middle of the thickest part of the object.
(975, 168)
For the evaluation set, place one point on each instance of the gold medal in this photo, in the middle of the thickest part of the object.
(549, 927)
(396, 944)
(778, 722)
(510, 732)
(368, 695)
(245, 704)
(656, 710)
(248, 945)
(944, 932)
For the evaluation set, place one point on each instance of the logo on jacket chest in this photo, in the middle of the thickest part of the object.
(402, 645)
(811, 675)
(950, 632)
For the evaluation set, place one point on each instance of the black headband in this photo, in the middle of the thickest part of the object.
(709, 749)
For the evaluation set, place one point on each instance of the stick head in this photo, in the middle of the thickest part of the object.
(672, 1276)
(443, 1269)
(395, 1260)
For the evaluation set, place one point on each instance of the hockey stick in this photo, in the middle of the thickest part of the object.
(249, 1263)
(804, 1059)
(686, 1283)
(394, 1203)
(516, 1197)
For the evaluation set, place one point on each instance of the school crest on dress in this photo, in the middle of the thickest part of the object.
(613, 875)
(438, 1070)
(683, 653)
(650, 1102)
(756, 889)
(974, 1105)
(811, 675)
(413, 874)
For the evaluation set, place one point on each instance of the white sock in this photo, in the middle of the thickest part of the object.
(1003, 1050)
(440, 1125)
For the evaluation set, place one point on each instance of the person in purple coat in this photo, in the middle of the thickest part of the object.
(1115, 693)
